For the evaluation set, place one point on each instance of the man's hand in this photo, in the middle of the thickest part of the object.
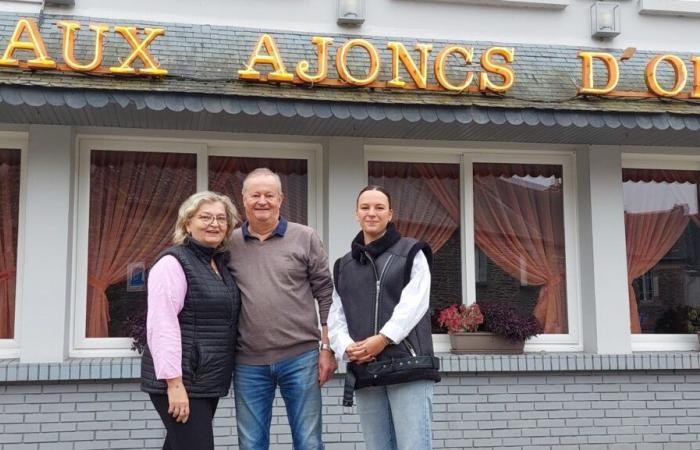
(327, 365)
(178, 402)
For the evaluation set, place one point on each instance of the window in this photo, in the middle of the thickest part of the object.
(134, 199)
(504, 230)
(519, 227)
(129, 194)
(9, 216)
(425, 199)
(662, 229)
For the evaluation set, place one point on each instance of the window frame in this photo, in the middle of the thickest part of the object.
(10, 348)
(81, 346)
(661, 342)
(572, 341)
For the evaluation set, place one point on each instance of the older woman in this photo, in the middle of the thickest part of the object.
(193, 306)
(379, 323)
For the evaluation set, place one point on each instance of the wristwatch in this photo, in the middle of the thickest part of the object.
(327, 347)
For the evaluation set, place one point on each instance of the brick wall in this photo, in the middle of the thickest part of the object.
(568, 410)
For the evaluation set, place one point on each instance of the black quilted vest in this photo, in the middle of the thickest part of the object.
(208, 325)
(370, 286)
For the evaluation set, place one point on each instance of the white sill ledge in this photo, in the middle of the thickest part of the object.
(683, 8)
(541, 4)
(11, 370)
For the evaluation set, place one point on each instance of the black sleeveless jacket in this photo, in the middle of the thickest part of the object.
(208, 324)
(369, 281)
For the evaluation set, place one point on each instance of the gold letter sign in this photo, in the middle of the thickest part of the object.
(35, 44)
(587, 72)
(140, 50)
(273, 58)
(679, 70)
(69, 32)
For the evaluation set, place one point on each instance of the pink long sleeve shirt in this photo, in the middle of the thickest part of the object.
(167, 287)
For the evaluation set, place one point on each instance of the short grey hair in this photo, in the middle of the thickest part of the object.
(190, 207)
(262, 172)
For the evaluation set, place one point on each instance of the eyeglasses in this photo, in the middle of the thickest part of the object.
(206, 219)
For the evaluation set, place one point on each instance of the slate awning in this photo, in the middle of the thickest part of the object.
(188, 111)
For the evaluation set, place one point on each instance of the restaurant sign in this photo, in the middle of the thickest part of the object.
(495, 72)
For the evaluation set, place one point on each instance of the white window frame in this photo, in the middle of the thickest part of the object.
(10, 348)
(572, 341)
(81, 346)
(661, 342)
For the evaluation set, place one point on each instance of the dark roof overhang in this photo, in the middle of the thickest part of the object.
(24, 104)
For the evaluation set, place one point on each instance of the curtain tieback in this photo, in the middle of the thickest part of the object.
(554, 280)
(6, 275)
(97, 283)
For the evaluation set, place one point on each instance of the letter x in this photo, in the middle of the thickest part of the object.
(151, 67)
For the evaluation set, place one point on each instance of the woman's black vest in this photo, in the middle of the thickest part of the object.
(369, 281)
(208, 324)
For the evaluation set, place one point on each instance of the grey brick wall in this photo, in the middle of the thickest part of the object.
(641, 410)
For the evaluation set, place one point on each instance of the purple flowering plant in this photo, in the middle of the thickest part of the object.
(497, 317)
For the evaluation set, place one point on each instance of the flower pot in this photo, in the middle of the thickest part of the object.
(484, 342)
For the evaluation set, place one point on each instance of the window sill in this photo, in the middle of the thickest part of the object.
(540, 4)
(11, 370)
(683, 8)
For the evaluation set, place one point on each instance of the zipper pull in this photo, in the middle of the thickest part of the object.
(410, 348)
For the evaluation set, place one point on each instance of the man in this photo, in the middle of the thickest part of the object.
(280, 268)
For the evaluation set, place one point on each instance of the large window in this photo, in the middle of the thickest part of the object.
(662, 228)
(502, 227)
(134, 198)
(520, 242)
(425, 199)
(9, 213)
(130, 192)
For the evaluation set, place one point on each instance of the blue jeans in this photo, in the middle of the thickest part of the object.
(254, 390)
(397, 417)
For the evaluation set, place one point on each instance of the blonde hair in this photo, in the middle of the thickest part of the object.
(262, 172)
(190, 207)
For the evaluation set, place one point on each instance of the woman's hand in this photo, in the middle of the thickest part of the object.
(367, 350)
(178, 402)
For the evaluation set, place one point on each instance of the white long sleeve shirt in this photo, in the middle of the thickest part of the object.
(414, 303)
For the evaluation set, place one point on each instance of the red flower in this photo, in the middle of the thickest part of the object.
(461, 318)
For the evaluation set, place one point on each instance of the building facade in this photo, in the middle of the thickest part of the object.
(546, 149)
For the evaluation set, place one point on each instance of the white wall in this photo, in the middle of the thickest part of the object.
(414, 19)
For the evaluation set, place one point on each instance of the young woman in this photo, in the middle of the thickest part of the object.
(379, 323)
(193, 306)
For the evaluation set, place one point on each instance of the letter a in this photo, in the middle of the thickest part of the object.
(34, 44)
(272, 58)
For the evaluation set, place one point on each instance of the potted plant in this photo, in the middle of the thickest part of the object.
(489, 327)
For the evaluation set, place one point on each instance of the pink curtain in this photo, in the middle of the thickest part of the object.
(134, 198)
(9, 208)
(520, 226)
(428, 195)
(649, 237)
(226, 175)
